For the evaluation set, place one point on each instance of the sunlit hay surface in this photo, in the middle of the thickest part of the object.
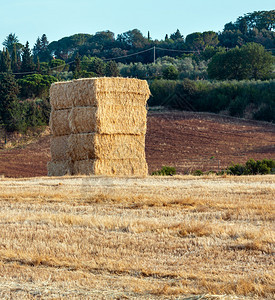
(132, 238)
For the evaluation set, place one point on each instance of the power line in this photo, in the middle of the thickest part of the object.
(124, 56)
(176, 50)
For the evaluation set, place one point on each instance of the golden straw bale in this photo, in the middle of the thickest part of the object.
(109, 119)
(83, 119)
(122, 85)
(84, 92)
(124, 167)
(60, 148)
(114, 90)
(61, 95)
(60, 168)
(105, 146)
(59, 122)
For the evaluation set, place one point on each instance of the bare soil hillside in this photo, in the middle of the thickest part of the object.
(185, 140)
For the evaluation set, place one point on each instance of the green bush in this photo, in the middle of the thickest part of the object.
(165, 171)
(252, 167)
(28, 114)
(36, 85)
(197, 173)
(215, 96)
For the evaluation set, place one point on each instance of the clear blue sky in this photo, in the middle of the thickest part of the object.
(29, 19)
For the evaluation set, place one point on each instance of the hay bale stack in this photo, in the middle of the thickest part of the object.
(108, 119)
(59, 122)
(99, 126)
(61, 104)
(84, 146)
(60, 168)
(124, 167)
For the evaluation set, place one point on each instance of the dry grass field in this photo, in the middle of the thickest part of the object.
(137, 238)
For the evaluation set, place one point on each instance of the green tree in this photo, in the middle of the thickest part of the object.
(38, 69)
(112, 69)
(5, 61)
(9, 90)
(132, 39)
(14, 60)
(36, 85)
(170, 72)
(77, 65)
(57, 65)
(176, 36)
(199, 41)
(97, 66)
(27, 60)
(45, 52)
(257, 19)
(258, 61)
(37, 48)
(10, 41)
(251, 61)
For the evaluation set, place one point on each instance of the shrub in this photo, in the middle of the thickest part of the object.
(252, 167)
(165, 171)
(36, 85)
(197, 173)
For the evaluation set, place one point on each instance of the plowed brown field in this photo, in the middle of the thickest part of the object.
(185, 140)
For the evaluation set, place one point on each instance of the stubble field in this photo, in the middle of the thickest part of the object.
(137, 238)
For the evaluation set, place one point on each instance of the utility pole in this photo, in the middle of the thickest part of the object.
(154, 54)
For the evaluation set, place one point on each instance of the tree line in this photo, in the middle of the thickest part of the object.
(239, 52)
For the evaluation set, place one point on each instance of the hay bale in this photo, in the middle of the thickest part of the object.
(60, 148)
(59, 122)
(115, 90)
(109, 119)
(100, 125)
(60, 168)
(61, 95)
(124, 167)
(105, 146)
(83, 119)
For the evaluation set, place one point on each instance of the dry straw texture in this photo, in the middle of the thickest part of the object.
(60, 148)
(60, 168)
(61, 95)
(59, 122)
(100, 123)
(105, 146)
(116, 90)
(154, 238)
(125, 167)
(109, 119)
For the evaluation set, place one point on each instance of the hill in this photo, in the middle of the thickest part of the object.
(185, 140)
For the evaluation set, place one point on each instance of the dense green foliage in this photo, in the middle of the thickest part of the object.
(8, 94)
(35, 85)
(252, 167)
(165, 171)
(177, 75)
(28, 113)
(251, 61)
(255, 98)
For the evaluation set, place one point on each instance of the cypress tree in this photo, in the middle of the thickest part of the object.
(14, 60)
(111, 69)
(27, 60)
(45, 53)
(37, 48)
(38, 65)
(8, 93)
(77, 65)
(5, 61)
